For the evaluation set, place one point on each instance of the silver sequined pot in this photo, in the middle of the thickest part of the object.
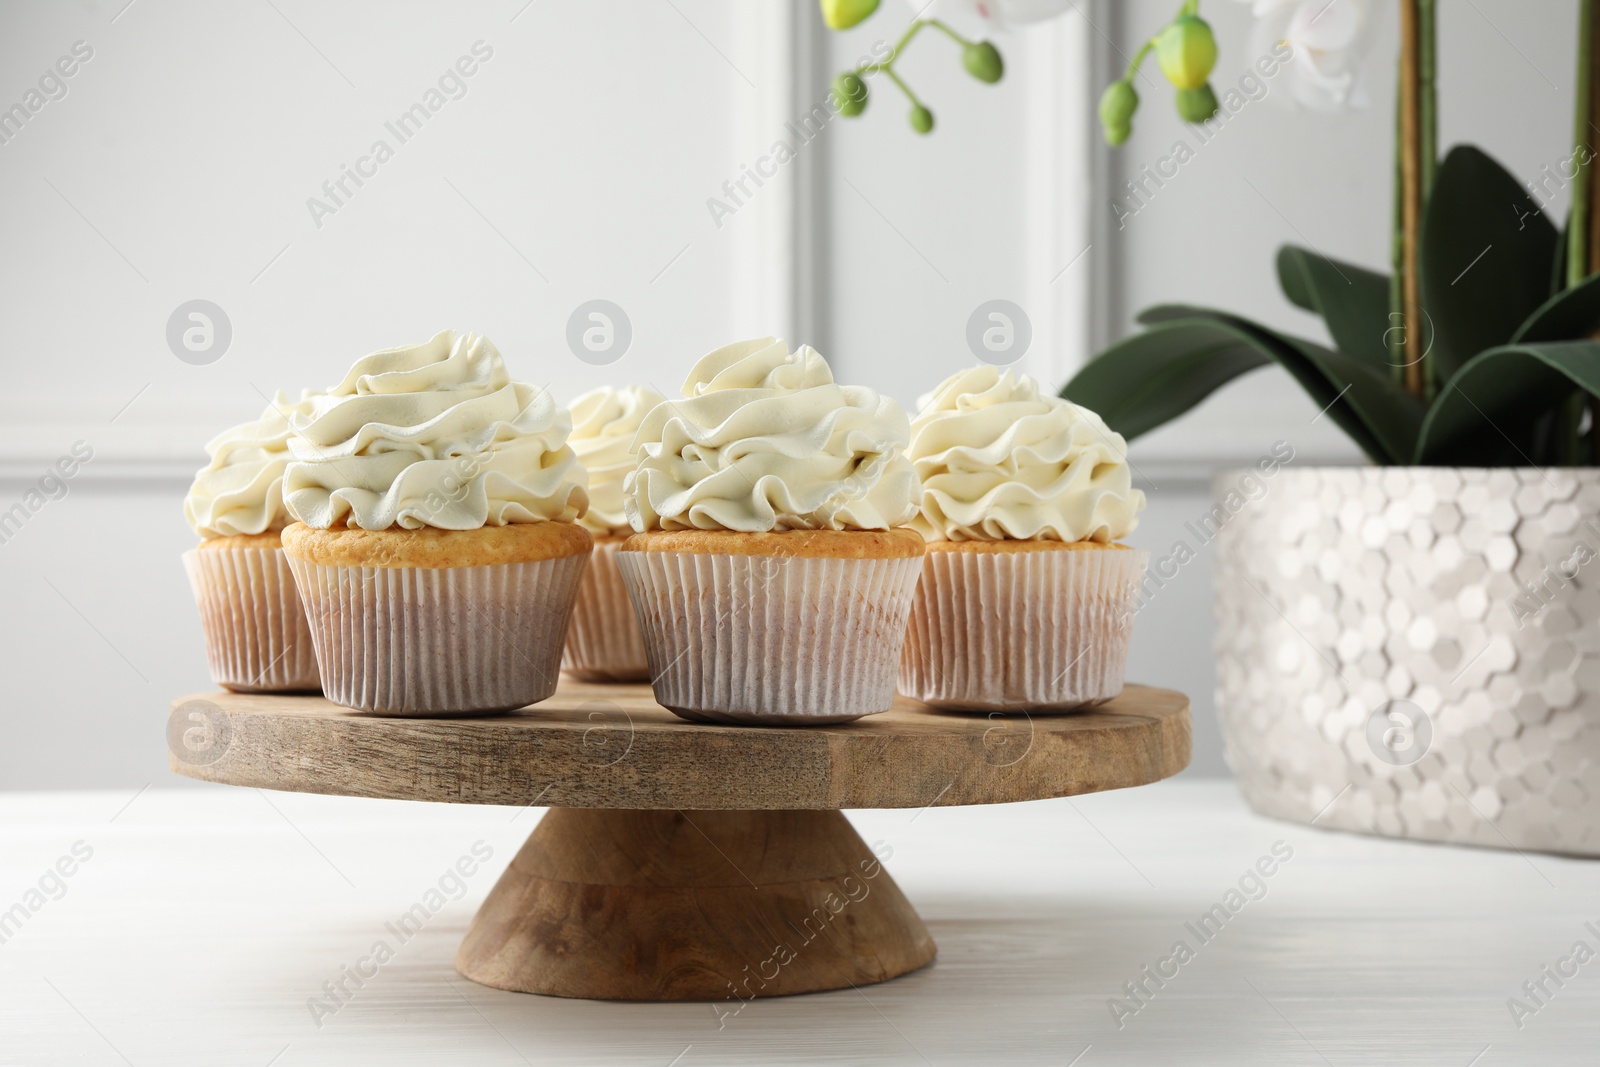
(1415, 652)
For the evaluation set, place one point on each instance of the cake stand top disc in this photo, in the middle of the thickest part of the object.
(613, 746)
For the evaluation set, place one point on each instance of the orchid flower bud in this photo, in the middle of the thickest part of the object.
(842, 14)
(983, 62)
(1187, 51)
(1117, 105)
(1197, 105)
(850, 94)
(921, 119)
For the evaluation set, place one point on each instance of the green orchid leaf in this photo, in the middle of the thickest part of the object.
(1364, 401)
(1294, 283)
(1151, 378)
(1490, 411)
(1353, 301)
(1485, 257)
(1572, 315)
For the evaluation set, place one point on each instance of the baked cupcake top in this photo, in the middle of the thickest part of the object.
(765, 440)
(435, 434)
(241, 490)
(604, 424)
(1001, 461)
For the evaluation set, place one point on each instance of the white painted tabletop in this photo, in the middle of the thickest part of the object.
(203, 924)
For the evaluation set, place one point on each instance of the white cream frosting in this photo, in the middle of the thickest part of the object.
(765, 440)
(604, 423)
(435, 434)
(1000, 461)
(241, 490)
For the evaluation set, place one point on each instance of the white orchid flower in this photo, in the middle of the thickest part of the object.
(1330, 39)
(983, 16)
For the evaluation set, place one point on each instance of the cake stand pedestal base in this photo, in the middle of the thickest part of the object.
(615, 904)
(681, 861)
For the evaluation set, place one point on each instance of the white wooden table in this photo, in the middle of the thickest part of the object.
(208, 926)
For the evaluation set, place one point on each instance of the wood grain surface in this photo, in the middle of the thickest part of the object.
(721, 906)
(613, 746)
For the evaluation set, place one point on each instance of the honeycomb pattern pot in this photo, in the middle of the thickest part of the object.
(1412, 652)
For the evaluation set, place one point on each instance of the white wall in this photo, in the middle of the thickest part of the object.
(178, 165)
(992, 204)
(591, 141)
(577, 165)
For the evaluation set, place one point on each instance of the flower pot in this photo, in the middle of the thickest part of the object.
(1412, 652)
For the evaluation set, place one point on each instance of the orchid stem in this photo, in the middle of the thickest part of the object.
(1138, 58)
(1428, 161)
(887, 65)
(904, 88)
(1583, 241)
(948, 32)
(1413, 30)
(1578, 224)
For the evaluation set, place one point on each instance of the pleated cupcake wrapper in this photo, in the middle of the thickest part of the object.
(257, 640)
(766, 639)
(439, 641)
(1015, 631)
(603, 642)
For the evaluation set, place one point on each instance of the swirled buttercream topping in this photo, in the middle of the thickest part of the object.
(1000, 461)
(765, 440)
(241, 490)
(604, 423)
(435, 434)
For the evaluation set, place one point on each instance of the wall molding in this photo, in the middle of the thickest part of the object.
(1063, 253)
(775, 34)
(1076, 308)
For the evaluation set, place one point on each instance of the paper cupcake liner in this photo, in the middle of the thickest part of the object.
(257, 640)
(1020, 631)
(603, 642)
(439, 641)
(768, 639)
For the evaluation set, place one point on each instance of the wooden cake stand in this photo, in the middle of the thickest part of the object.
(682, 861)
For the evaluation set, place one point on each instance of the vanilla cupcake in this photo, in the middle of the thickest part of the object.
(256, 636)
(603, 642)
(437, 552)
(1026, 596)
(772, 574)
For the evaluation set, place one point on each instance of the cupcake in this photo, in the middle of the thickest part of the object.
(603, 642)
(771, 574)
(1026, 596)
(256, 636)
(437, 552)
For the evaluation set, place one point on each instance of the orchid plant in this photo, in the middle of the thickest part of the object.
(1477, 349)
(979, 56)
(1325, 40)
